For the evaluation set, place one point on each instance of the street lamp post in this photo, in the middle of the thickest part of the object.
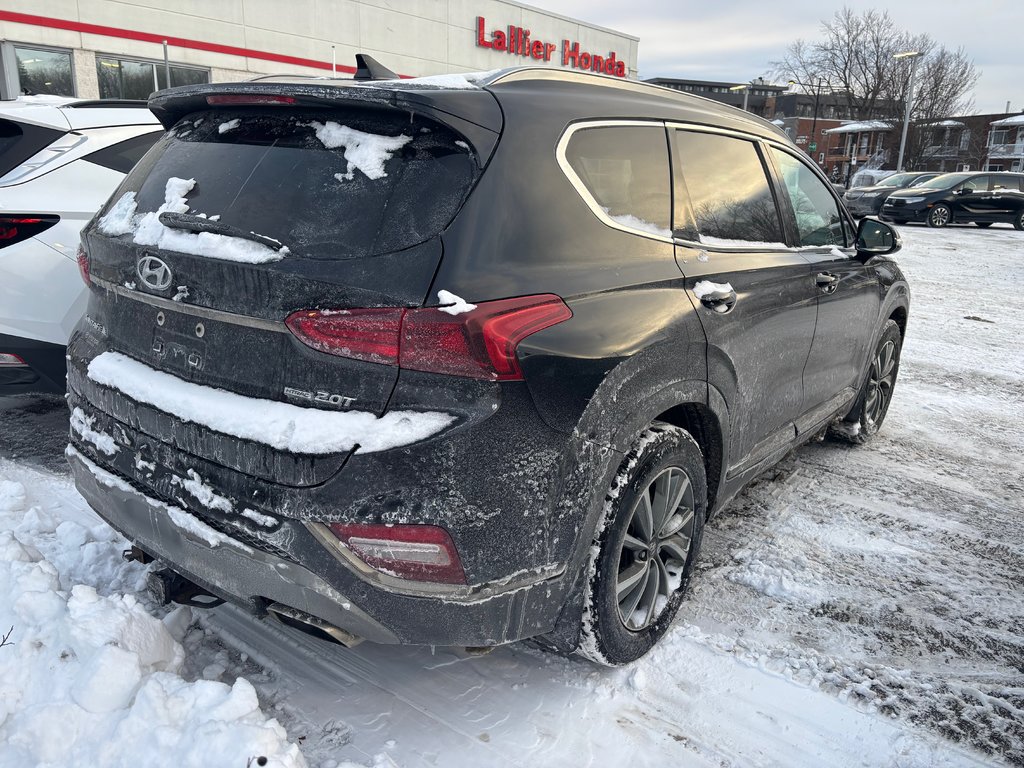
(913, 56)
(746, 92)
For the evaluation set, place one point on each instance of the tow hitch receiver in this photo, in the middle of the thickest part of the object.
(166, 586)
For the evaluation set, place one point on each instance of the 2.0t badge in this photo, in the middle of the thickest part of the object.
(154, 273)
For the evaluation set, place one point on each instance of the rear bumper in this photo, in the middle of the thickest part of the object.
(44, 370)
(320, 585)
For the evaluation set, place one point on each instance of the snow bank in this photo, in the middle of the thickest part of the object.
(366, 151)
(282, 426)
(91, 677)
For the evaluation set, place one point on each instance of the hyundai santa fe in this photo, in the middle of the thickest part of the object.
(464, 361)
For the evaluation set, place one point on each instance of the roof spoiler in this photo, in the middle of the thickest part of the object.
(368, 68)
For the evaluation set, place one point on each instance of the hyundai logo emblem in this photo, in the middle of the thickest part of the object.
(154, 273)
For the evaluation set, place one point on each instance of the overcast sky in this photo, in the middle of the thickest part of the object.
(736, 39)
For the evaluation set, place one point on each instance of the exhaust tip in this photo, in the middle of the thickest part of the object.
(312, 625)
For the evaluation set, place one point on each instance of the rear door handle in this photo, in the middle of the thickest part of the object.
(720, 301)
(827, 282)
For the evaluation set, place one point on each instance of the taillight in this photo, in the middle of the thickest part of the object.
(417, 552)
(362, 334)
(11, 360)
(83, 265)
(15, 228)
(479, 344)
(248, 99)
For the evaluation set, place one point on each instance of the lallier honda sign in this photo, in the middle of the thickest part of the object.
(516, 41)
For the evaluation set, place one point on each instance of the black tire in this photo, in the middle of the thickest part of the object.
(983, 224)
(662, 454)
(939, 216)
(1018, 220)
(865, 419)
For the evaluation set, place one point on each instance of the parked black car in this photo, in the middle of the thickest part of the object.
(959, 198)
(867, 201)
(278, 392)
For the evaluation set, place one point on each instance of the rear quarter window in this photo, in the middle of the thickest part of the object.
(624, 170)
(326, 184)
(19, 141)
(123, 156)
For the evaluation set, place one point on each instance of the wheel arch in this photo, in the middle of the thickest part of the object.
(704, 426)
(898, 315)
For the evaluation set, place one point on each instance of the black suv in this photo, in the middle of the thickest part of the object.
(960, 198)
(464, 362)
(867, 201)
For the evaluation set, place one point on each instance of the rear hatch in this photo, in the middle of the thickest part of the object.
(257, 204)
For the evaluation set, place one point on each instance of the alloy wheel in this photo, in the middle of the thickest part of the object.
(654, 551)
(940, 216)
(881, 380)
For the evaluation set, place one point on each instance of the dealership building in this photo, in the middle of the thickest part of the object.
(115, 49)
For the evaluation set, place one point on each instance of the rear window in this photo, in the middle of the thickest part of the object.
(327, 185)
(19, 141)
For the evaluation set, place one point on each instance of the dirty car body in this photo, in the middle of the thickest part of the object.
(320, 427)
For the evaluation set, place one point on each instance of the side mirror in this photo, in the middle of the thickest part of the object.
(876, 238)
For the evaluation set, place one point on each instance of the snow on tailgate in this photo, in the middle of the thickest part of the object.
(282, 426)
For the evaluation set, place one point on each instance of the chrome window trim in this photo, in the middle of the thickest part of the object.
(581, 188)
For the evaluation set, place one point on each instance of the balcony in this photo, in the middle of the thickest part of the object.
(941, 150)
(1006, 150)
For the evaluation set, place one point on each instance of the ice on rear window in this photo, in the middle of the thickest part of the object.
(120, 219)
(147, 229)
(367, 152)
(227, 125)
(330, 185)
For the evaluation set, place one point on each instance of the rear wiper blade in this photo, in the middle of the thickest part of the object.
(193, 223)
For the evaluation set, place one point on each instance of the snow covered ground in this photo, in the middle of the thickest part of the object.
(857, 606)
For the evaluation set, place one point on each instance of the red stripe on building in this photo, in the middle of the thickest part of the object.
(181, 42)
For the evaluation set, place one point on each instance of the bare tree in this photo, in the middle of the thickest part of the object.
(854, 55)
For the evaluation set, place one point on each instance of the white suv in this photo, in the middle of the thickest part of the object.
(59, 161)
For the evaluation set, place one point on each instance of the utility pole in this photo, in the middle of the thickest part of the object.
(913, 56)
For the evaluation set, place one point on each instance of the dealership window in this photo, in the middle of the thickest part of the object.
(132, 79)
(44, 71)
